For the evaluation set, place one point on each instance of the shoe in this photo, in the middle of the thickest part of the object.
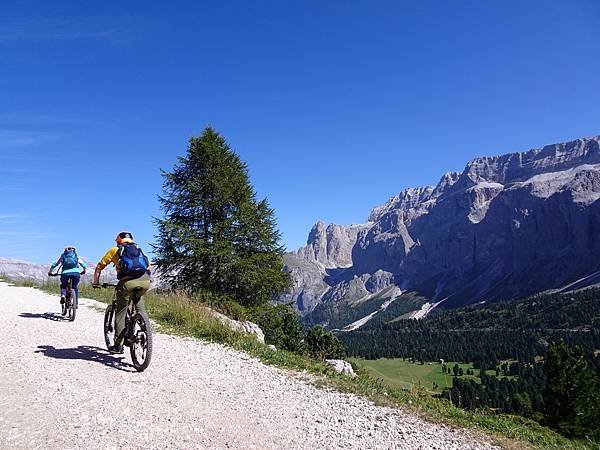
(62, 300)
(116, 349)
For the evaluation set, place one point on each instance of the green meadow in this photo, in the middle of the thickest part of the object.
(403, 374)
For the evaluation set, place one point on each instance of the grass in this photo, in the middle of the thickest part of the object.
(400, 373)
(403, 374)
(180, 315)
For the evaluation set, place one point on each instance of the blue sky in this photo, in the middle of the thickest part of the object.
(335, 106)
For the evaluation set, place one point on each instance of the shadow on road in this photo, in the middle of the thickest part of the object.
(86, 353)
(50, 316)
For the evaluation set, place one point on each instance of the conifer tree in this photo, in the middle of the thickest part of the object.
(571, 396)
(215, 235)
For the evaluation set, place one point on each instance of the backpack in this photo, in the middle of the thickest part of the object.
(132, 261)
(69, 260)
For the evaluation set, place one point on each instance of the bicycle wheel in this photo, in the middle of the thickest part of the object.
(141, 341)
(109, 326)
(70, 302)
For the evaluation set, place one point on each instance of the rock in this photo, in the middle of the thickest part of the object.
(341, 366)
(272, 347)
(241, 326)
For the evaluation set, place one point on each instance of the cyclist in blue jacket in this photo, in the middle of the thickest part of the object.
(69, 264)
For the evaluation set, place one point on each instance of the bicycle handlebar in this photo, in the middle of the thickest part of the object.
(59, 274)
(104, 285)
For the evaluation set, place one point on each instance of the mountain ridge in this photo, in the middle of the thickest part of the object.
(475, 236)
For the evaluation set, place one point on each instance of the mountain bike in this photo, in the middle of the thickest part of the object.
(137, 333)
(71, 302)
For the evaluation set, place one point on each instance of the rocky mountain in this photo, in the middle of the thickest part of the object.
(24, 270)
(505, 227)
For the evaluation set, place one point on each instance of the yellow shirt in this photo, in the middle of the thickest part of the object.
(111, 256)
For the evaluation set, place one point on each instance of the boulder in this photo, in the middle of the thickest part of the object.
(341, 366)
(241, 326)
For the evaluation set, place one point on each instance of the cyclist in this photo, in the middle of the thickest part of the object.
(133, 273)
(70, 263)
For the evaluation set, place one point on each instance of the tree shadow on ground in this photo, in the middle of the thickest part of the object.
(57, 317)
(86, 353)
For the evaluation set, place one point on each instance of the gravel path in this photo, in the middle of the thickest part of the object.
(61, 389)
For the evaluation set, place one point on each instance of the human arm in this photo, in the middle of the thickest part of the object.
(54, 265)
(83, 265)
(110, 256)
(96, 280)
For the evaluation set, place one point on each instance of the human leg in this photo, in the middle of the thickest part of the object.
(75, 278)
(63, 287)
(137, 288)
(120, 313)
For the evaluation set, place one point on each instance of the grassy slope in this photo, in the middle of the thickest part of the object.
(403, 374)
(179, 315)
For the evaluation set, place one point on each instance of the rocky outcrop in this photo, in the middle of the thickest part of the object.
(238, 326)
(505, 227)
(341, 366)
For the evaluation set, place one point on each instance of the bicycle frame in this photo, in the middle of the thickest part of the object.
(131, 311)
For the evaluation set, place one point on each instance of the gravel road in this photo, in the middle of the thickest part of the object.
(62, 389)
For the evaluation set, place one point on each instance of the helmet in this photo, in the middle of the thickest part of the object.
(69, 247)
(124, 237)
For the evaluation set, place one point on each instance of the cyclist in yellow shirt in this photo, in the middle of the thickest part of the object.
(133, 273)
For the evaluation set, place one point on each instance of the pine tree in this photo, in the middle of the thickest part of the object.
(571, 396)
(215, 235)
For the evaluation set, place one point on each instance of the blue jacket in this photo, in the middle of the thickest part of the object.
(81, 262)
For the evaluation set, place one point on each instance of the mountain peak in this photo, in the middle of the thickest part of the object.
(478, 235)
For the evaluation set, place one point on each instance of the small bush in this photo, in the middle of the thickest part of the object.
(323, 345)
(281, 325)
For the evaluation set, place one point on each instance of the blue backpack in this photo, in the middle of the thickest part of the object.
(132, 261)
(69, 260)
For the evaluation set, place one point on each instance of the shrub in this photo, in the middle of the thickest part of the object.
(322, 344)
(281, 325)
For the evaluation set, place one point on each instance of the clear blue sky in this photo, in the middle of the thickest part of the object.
(335, 106)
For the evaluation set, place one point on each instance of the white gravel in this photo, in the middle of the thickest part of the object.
(62, 389)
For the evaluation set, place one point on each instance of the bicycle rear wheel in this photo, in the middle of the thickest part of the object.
(109, 326)
(71, 305)
(140, 341)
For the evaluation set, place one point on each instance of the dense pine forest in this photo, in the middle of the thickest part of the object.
(544, 354)
(485, 334)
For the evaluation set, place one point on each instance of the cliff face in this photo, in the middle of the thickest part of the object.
(506, 227)
(331, 247)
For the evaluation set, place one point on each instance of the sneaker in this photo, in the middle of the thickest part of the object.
(62, 300)
(116, 349)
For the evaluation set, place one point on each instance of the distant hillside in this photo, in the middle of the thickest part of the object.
(516, 329)
(22, 270)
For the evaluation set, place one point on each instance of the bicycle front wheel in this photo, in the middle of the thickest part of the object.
(109, 326)
(141, 341)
